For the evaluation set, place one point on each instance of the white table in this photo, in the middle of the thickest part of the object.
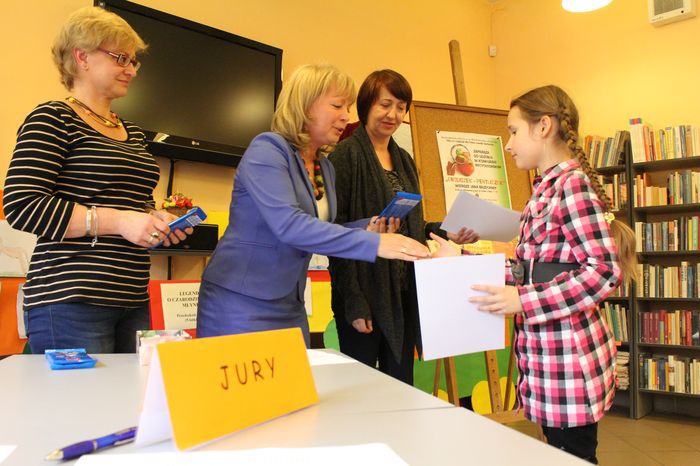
(42, 410)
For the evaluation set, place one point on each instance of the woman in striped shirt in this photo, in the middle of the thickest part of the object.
(82, 181)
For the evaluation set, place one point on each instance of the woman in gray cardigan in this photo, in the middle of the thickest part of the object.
(375, 305)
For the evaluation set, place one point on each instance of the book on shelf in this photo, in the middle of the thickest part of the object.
(680, 234)
(615, 188)
(622, 291)
(606, 151)
(680, 327)
(669, 373)
(622, 368)
(681, 187)
(671, 142)
(615, 317)
(660, 281)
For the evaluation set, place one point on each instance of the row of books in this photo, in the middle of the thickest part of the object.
(616, 189)
(669, 373)
(670, 327)
(680, 234)
(615, 316)
(622, 291)
(681, 188)
(672, 142)
(622, 361)
(606, 152)
(669, 282)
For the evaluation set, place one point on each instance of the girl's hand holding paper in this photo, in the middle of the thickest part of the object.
(502, 300)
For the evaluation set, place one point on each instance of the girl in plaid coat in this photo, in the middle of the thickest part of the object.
(565, 351)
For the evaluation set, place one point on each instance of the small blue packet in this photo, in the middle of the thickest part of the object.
(76, 358)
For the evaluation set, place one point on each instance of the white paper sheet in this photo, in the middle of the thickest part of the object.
(372, 453)
(321, 358)
(450, 324)
(491, 221)
(154, 421)
(308, 299)
(179, 305)
(5, 451)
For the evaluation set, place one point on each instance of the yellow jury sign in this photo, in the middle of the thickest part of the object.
(216, 386)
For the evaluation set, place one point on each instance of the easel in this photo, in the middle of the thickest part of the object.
(519, 183)
(492, 376)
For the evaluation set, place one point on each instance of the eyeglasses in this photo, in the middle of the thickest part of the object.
(122, 59)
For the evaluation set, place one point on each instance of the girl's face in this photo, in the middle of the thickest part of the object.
(525, 144)
(328, 117)
(385, 115)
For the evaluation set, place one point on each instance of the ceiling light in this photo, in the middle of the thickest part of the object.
(580, 6)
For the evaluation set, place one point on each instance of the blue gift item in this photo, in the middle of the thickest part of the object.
(400, 205)
(76, 358)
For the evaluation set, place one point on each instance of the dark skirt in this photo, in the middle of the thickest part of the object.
(221, 311)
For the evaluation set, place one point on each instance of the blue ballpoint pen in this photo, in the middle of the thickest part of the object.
(88, 446)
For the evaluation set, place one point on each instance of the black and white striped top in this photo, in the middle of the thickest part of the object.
(60, 161)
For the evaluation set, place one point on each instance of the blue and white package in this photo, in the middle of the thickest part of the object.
(400, 205)
(74, 358)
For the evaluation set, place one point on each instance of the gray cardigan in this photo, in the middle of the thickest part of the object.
(373, 290)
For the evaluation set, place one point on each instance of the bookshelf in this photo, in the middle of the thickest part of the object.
(617, 309)
(664, 210)
(668, 347)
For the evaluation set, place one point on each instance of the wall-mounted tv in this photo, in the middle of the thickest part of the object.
(202, 94)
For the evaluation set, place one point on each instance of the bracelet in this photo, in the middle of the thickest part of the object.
(93, 212)
(88, 223)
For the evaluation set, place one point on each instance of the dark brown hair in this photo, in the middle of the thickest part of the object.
(369, 91)
(552, 101)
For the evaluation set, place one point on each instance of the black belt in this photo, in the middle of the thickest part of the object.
(542, 272)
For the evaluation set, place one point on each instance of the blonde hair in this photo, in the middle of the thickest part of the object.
(87, 29)
(306, 85)
(552, 101)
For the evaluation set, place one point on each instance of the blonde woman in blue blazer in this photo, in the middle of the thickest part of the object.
(282, 208)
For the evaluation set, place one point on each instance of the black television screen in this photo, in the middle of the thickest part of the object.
(208, 90)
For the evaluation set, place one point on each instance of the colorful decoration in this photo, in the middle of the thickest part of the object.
(177, 204)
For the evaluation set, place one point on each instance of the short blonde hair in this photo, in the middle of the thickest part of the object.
(306, 84)
(87, 29)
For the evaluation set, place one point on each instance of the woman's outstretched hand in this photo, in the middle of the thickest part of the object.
(393, 246)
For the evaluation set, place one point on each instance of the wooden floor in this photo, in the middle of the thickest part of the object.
(653, 440)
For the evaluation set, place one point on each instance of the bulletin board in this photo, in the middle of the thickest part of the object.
(426, 119)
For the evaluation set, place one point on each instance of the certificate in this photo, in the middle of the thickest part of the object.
(451, 325)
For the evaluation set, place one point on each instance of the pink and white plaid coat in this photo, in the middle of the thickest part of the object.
(565, 350)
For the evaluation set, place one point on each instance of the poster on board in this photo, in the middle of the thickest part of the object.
(473, 163)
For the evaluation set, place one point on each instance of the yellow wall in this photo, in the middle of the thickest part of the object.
(410, 36)
(612, 61)
(358, 36)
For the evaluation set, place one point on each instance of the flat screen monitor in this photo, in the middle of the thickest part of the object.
(201, 93)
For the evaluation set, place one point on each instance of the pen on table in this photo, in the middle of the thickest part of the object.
(88, 446)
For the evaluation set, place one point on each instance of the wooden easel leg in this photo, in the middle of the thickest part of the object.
(436, 380)
(540, 434)
(451, 381)
(509, 378)
(493, 381)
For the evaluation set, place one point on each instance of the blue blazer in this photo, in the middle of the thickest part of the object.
(274, 227)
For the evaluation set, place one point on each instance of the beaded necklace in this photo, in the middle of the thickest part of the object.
(317, 177)
(105, 121)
